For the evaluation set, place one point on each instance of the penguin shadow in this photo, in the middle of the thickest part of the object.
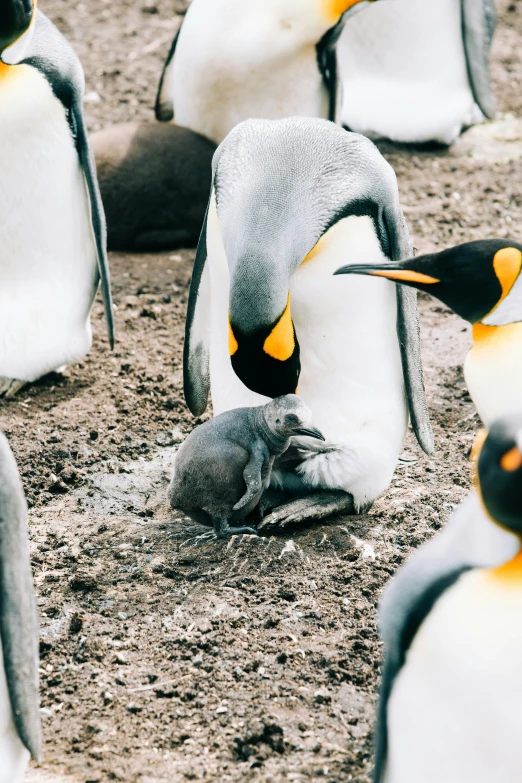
(60, 387)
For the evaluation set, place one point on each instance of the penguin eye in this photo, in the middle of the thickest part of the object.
(291, 419)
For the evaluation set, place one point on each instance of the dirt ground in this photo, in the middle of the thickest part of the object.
(168, 660)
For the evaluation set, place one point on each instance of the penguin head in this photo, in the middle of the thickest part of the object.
(480, 281)
(288, 416)
(499, 472)
(15, 19)
(280, 186)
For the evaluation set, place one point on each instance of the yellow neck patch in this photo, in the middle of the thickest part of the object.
(334, 9)
(232, 342)
(4, 70)
(510, 571)
(280, 343)
(507, 264)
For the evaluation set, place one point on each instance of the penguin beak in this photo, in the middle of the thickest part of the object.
(312, 432)
(393, 272)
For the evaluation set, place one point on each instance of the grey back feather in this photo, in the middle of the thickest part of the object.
(478, 26)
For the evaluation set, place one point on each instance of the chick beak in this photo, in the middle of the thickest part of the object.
(312, 432)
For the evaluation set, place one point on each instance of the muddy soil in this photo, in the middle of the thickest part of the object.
(169, 658)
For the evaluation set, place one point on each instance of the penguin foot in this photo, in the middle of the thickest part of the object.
(223, 530)
(318, 505)
(10, 386)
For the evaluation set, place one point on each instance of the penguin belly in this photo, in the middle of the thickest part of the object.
(404, 74)
(351, 371)
(48, 267)
(493, 370)
(454, 712)
(14, 756)
(232, 65)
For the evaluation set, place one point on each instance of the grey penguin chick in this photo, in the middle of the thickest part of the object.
(223, 467)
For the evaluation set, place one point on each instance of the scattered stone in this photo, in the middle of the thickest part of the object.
(322, 696)
(83, 581)
(76, 624)
(133, 708)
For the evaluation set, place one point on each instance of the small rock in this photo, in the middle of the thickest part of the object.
(164, 439)
(76, 624)
(133, 708)
(91, 97)
(85, 582)
(108, 697)
(93, 434)
(322, 696)
(121, 659)
(45, 714)
(177, 435)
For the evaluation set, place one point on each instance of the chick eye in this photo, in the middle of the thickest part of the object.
(291, 419)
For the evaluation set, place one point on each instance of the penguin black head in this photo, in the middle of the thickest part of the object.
(500, 472)
(277, 367)
(473, 279)
(15, 19)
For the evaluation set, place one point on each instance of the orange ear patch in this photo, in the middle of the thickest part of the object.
(280, 343)
(512, 460)
(507, 264)
(334, 9)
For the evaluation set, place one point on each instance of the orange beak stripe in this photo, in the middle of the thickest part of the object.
(406, 275)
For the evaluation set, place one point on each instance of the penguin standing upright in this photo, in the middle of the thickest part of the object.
(451, 685)
(417, 71)
(290, 198)
(482, 282)
(52, 232)
(20, 734)
(271, 59)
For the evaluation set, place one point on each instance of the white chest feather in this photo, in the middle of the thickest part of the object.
(47, 254)
(493, 371)
(403, 72)
(14, 756)
(233, 63)
(351, 373)
(454, 714)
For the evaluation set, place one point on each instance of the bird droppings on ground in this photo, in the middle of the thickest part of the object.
(170, 657)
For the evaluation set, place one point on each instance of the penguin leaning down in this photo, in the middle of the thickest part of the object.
(232, 60)
(417, 71)
(482, 282)
(20, 731)
(450, 697)
(290, 199)
(52, 234)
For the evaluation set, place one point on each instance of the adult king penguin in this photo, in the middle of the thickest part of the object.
(450, 696)
(417, 71)
(52, 233)
(290, 198)
(19, 703)
(232, 60)
(482, 282)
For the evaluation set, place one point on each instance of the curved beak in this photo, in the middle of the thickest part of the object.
(312, 432)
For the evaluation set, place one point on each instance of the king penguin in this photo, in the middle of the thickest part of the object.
(417, 71)
(52, 234)
(451, 685)
(266, 317)
(271, 59)
(482, 282)
(20, 733)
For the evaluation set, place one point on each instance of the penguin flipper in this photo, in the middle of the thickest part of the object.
(18, 618)
(163, 108)
(196, 375)
(478, 26)
(408, 330)
(51, 54)
(327, 63)
(97, 214)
